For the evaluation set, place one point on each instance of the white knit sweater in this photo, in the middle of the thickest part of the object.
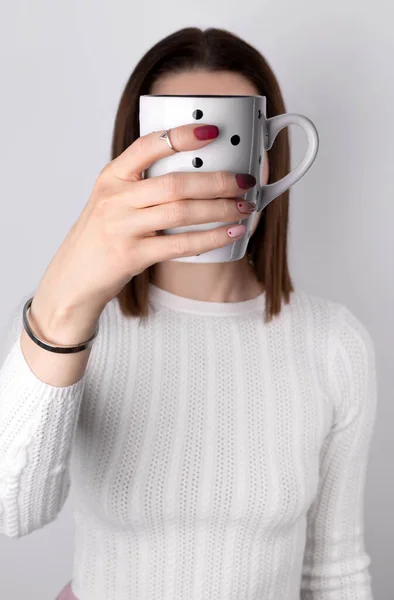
(211, 456)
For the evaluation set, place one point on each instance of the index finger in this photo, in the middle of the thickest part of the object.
(146, 149)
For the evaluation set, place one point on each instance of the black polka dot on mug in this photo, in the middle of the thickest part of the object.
(198, 114)
(197, 162)
(235, 139)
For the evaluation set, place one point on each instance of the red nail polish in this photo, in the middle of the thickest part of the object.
(245, 180)
(206, 132)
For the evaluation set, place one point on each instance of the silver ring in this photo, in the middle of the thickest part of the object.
(165, 136)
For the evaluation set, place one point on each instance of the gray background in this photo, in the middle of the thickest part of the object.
(63, 67)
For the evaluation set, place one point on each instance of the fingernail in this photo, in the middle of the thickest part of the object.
(206, 132)
(246, 207)
(245, 180)
(236, 230)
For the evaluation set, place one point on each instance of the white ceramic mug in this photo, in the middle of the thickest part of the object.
(244, 135)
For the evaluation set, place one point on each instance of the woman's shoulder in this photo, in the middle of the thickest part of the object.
(336, 318)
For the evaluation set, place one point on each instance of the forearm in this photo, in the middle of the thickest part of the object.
(40, 398)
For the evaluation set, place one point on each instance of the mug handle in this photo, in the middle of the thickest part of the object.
(271, 128)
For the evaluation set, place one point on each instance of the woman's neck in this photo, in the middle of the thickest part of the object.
(212, 282)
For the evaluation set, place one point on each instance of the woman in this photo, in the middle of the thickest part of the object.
(220, 423)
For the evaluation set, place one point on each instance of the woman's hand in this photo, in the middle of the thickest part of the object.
(115, 236)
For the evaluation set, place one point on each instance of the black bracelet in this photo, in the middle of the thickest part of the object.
(51, 347)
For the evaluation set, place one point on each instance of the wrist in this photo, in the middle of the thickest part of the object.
(61, 325)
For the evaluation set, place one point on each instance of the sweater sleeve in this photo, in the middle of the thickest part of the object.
(37, 426)
(336, 564)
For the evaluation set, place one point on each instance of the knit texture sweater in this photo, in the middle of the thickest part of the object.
(209, 455)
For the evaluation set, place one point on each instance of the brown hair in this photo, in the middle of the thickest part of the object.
(215, 50)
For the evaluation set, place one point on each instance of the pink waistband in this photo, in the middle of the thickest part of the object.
(66, 593)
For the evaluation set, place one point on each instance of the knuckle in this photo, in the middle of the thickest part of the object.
(120, 246)
(104, 180)
(106, 170)
(101, 207)
(225, 208)
(178, 245)
(128, 250)
(108, 232)
(221, 183)
(213, 237)
(175, 213)
(107, 221)
(172, 185)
